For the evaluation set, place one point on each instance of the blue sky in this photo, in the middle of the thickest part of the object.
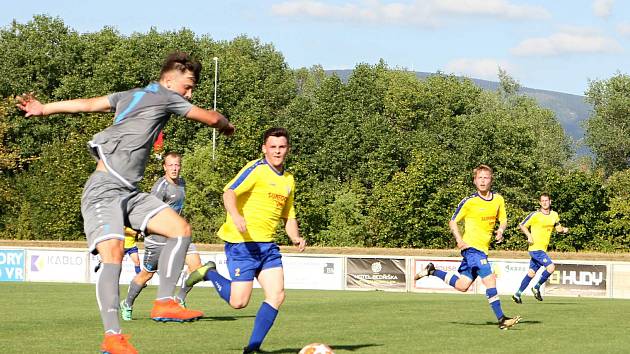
(554, 45)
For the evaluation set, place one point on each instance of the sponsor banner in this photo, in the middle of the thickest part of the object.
(435, 284)
(376, 273)
(321, 273)
(577, 279)
(12, 265)
(61, 266)
(509, 276)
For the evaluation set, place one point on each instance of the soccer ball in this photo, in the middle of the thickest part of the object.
(316, 348)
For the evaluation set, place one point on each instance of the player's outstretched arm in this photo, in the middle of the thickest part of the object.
(211, 118)
(33, 107)
(291, 227)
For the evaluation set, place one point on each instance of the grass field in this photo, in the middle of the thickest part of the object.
(63, 318)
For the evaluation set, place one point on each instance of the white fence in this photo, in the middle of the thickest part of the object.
(338, 272)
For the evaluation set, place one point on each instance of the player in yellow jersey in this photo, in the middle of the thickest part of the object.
(538, 226)
(131, 248)
(256, 199)
(479, 213)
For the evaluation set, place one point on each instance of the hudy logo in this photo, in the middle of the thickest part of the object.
(583, 278)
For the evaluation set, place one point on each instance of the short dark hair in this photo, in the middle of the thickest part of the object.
(277, 132)
(172, 154)
(181, 62)
(545, 194)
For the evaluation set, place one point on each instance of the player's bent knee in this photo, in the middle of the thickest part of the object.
(461, 288)
(462, 284)
(551, 268)
(168, 223)
(276, 299)
(143, 277)
(111, 251)
(239, 304)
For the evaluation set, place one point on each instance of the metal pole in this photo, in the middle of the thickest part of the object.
(214, 130)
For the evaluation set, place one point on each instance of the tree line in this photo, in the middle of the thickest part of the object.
(380, 160)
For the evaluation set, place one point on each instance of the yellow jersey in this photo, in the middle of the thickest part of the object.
(480, 216)
(131, 236)
(263, 197)
(540, 226)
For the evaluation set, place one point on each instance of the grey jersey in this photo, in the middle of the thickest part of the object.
(170, 193)
(141, 114)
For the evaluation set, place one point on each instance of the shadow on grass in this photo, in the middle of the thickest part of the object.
(495, 324)
(560, 303)
(348, 347)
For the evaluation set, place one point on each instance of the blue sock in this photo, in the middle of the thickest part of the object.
(439, 273)
(137, 269)
(449, 278)
(543, 278)
(221, 285)
(262, 324)
(524, 283)
(495, 303)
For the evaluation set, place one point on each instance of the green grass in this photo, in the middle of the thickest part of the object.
(63, 318)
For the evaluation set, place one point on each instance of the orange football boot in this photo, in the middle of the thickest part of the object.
(117, 344)
(170, 311)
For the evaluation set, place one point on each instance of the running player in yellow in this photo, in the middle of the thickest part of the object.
(255, 200)
(131, 248)
(479, 213)
(538, 226)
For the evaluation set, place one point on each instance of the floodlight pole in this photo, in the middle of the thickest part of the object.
(214, 130)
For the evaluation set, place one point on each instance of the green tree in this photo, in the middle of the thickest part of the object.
(50, 193)
(615, 232)
(608, 129)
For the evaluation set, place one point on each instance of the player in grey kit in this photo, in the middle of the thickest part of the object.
(111, 199)
(171, 189)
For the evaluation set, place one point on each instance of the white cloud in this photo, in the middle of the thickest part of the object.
(602, 8)
(493, 8)
(567, 42)
(624, 29)
(487, 69)
(365, 11)
(424, 13)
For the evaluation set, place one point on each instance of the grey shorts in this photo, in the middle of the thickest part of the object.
(153, 245)
(108, 206)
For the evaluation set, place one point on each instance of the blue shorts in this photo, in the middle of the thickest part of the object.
(475, 263)
(246, 259)
(131, 250)
(539, 259)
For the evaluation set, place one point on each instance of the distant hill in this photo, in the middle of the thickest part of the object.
(570, 110)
